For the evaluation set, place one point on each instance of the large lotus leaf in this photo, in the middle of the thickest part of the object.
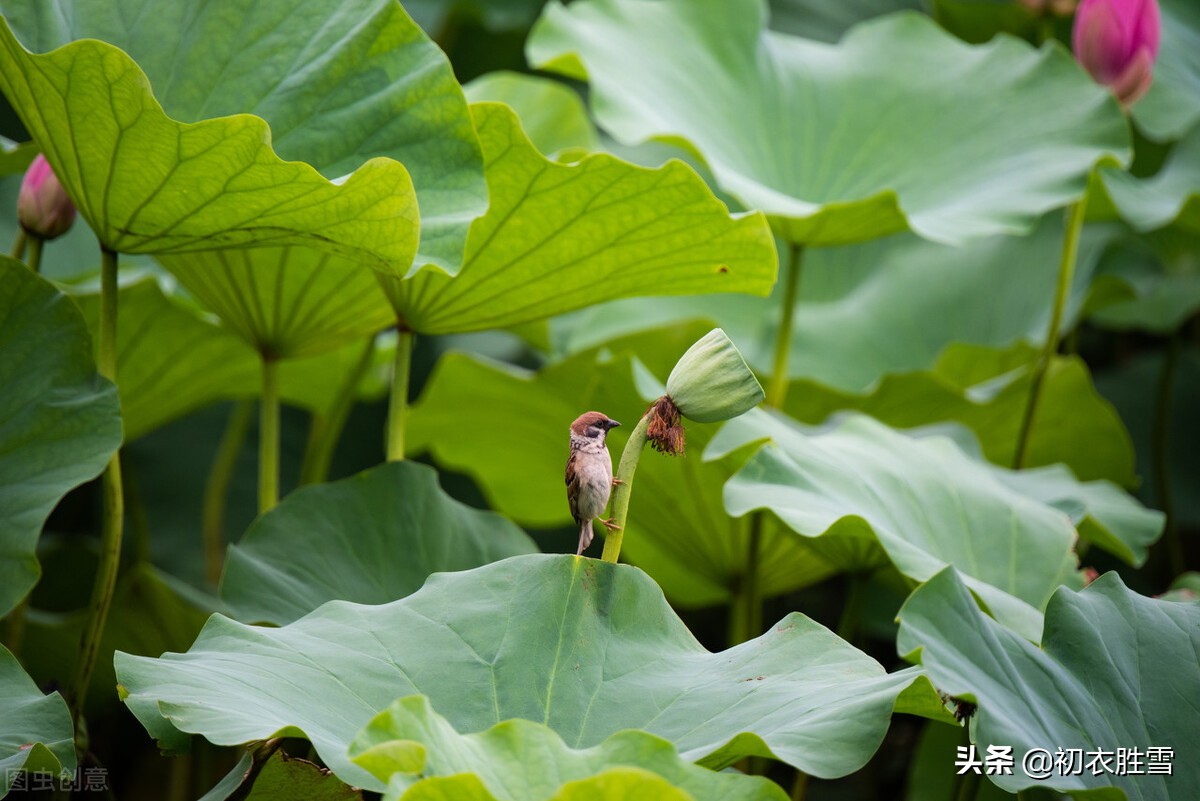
(409, 743)
(677, 529)
(552, 114)
(1157, 280)
(287, 302)
(1172, 105)
(895, 305)
(370, 538)
(921, 498)
(35, 730)
(172, 359)
(1170, 196)
(15, 157)
(1115, 670)
(899, 127)
(987, 391)
(828, 22)
(559, 237)
(339, 83)
(149, 184)
(583, 646)
(59, 420)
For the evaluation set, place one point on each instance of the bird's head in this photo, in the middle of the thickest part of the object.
(593, 425)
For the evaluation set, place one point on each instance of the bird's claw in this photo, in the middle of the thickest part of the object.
(610, 525)
(617, 481)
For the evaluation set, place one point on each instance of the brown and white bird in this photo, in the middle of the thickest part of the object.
(589, 473)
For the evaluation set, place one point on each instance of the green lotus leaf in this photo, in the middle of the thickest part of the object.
(586, 647)
(338, 83)
(59, 420)
(1169, 197)
(148, 184)
(1157, 282)
(409, 743)
(865, 494)
(888, 306)
(15, 157)
(370, 538)
(35, 730)
(1172, 105)
(1115, 670)
(287, 302)
(552, 115)
(987, 390)
(828, 22)
(899, 127)
(173, 359)
(677, 530)
(560, 237)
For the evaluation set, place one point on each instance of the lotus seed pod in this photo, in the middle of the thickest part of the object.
(712, 381)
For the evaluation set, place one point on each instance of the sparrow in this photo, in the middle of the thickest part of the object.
(589, 473)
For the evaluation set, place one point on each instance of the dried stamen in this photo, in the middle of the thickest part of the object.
(664, 429)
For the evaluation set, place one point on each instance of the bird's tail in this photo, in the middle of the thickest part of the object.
(585, 536)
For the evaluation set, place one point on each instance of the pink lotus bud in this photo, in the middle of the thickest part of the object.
(43, 207)
(1117, 42)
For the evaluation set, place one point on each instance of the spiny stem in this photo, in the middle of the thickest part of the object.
(1162, 441)
(1066, 272)
(327, 429)
(35, 253)
(216, 489)
(620, 496)
(113, 501)
(18, 251)
(268, 437)
(398, 403)
(777, 390)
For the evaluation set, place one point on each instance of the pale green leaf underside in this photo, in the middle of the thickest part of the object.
(35, 730)
(865, 494)
(148, 184)
(370, 538)
(559, 237)
(1172, 105)
(1170, 196)
(287, 302)
(338, 83)
(586, 647)
(552, 115)
(1115, 670)
(677, 529)
(519, 760)
(900, 126)
(59, 420)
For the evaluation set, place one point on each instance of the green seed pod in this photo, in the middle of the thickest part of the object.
(712, 381)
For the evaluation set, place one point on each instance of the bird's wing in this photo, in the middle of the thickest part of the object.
(573, 485)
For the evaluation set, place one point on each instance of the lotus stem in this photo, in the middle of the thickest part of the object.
(777, 390)
(268, 437)
(327, 429)
(113, 501)
(1162, 441)
(398, 404)
(35, 253)
(18, 251)
(1066, 272)
(621, 492)
(216, 489)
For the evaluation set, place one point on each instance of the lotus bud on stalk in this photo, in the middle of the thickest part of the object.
(44, 209)
(1116, 41)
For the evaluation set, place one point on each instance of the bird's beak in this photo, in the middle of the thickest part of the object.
(613, 424)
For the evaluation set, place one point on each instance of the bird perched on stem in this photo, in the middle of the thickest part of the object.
(589, 473)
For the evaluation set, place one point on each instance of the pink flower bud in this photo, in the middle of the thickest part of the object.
(43, 207)
(1117, 42)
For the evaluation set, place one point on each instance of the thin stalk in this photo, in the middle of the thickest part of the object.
(398, 403)
(113, 504)
(777, 390)
(1066, 271)
(18, 251)
(35, 253)
(268, 437)
(1162, 448)
(622, 491)
(852, 612)
(327, 429)
(14, 635)
(139, 525)
(216, 490)
(800, 786)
